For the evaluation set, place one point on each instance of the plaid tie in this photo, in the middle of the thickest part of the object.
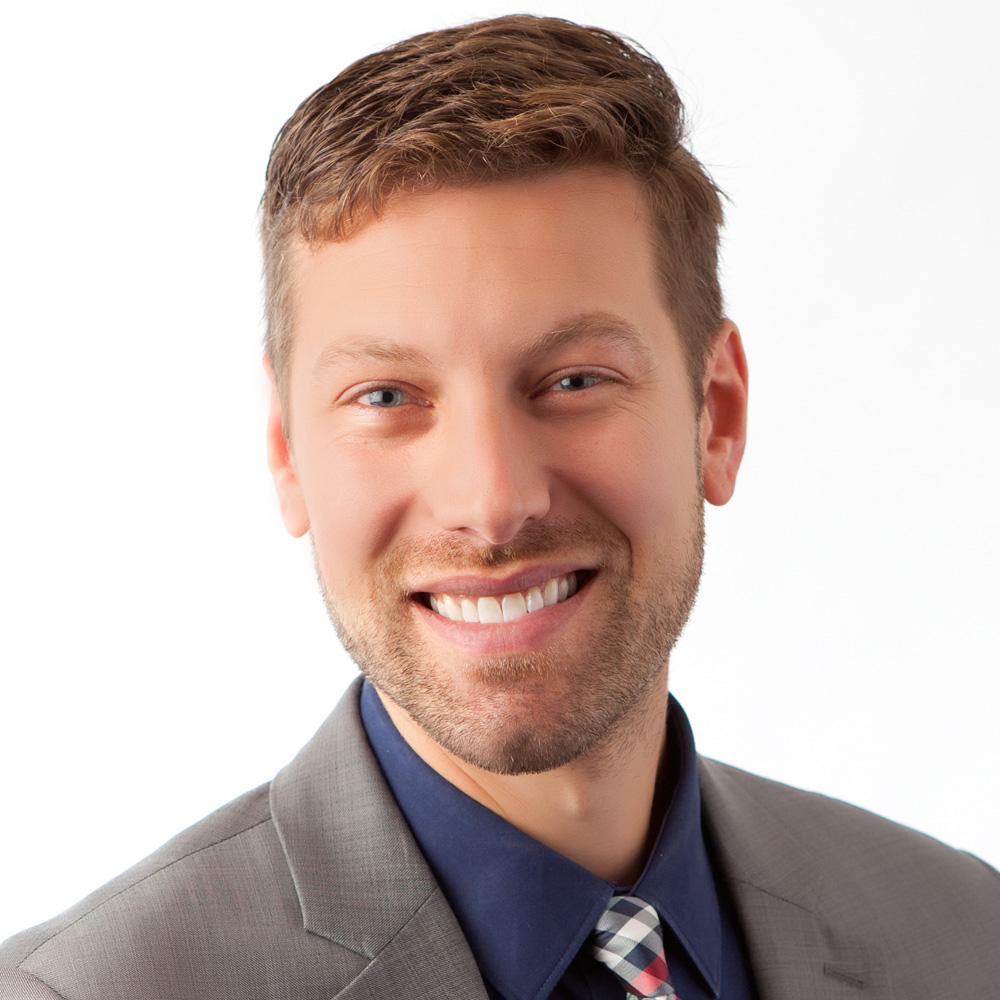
(628, 940)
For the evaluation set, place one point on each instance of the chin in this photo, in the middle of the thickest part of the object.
(513, 746)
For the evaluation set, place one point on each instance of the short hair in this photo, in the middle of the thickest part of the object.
(511, 97)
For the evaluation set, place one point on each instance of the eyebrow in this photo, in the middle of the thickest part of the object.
(373, 351)
(590, 327)
(587, 327)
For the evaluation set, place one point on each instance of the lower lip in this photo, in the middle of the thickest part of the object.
(504, 638)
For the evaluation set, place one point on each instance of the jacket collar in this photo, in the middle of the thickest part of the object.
(360, 878)
(802, 927)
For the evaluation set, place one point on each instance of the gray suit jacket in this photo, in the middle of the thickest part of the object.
(312, 888)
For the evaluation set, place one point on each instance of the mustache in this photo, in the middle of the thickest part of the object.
(451, 554)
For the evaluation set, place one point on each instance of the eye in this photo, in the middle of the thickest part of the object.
(577, 381)
(385, 397)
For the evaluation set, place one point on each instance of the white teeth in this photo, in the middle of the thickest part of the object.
(490, 611)
(514, 606)
(508, 607)
(450, 608)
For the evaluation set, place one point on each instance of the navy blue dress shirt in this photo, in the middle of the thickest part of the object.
(527, 912)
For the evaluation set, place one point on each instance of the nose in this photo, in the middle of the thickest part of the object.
(489, 475)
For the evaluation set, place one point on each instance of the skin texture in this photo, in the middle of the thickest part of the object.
(487, 391)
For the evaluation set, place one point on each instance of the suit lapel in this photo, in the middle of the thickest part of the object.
(359, 875)
(784, 899)
(427, 960)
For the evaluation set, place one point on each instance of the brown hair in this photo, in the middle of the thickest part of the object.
(510, 97)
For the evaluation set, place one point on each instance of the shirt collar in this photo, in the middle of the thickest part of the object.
(524, 908)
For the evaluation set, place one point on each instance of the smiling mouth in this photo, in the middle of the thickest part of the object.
(506, 607)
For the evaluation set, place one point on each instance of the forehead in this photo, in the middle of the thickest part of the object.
(487, 268)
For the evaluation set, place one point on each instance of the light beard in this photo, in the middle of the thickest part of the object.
(531, 712)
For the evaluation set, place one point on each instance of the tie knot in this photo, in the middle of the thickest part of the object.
(629, 941)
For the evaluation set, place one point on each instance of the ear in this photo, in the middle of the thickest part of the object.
(723, 427)
(282, 464)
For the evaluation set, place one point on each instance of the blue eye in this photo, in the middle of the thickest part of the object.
(572, 383)
(383, 398)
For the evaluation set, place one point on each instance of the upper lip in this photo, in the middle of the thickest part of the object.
(474, 585)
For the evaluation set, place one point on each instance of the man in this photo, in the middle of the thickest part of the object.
(503, 388)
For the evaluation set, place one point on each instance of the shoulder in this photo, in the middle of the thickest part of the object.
(849, 865)
(162, 870)
(836, 828)
(202, 914)
(293, 891)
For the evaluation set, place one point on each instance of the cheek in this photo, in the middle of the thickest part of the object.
(355, 496)
(644, 481)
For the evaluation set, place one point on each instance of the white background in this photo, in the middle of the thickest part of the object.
(163, 644)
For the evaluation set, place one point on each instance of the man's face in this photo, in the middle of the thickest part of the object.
(489, 407)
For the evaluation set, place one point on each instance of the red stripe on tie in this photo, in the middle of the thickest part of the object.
(650, 978)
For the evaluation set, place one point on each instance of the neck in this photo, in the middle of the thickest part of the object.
(595, 810)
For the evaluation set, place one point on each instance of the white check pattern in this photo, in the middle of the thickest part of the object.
(629, 941)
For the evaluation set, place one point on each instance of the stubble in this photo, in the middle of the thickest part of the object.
(536, 711)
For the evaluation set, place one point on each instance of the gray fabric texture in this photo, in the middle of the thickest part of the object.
(312, 888)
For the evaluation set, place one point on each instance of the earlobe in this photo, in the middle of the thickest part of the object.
(723, 424)
(282, 464)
